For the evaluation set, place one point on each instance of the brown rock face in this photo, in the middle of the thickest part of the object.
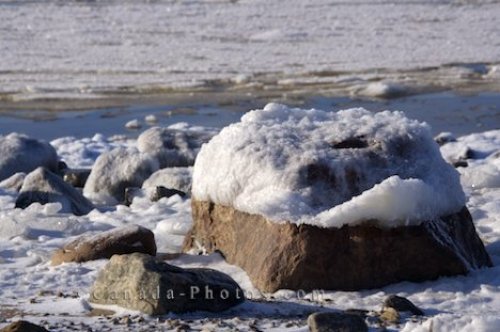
(118, 241)
(287, 256)
(23, 326)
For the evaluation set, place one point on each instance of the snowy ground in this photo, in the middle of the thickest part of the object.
(57, 296)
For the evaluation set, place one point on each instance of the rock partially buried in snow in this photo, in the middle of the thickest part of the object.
(124, 240)
(115, 171)
(43, 186)
(171, 146)
(139, 282)
(178, 178)
(19, 153)
(402, 304)
(305, 199)
(133, 125)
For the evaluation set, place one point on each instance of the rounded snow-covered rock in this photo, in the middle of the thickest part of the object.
(43, 186)
(140, 282)
(178, 178)
(172, 146)
(19, 153)
(117, 241)
(115, 171)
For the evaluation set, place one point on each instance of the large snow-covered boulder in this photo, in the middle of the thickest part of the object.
(116, 170)
(308, 199)
(19, 153)
(173, 146)
(42, 186)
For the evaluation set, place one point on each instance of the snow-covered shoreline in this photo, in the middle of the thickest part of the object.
(29, 285)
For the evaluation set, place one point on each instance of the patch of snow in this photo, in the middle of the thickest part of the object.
(381, 90)
(151, 119)
(83, 152)
(297, 165)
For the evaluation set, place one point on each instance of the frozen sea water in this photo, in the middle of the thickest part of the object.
(53, 48)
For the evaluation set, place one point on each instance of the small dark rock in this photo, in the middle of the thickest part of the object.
(351, 143)
(444, 138)
(131, 193)
(336, 322)
(23, 326)
(402, 304)
(62, 166)
(76, 177)
(460, 163)
(161, 192)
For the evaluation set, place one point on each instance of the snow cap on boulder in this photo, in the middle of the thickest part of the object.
(328, 168)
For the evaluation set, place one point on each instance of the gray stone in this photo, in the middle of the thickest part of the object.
(19, 153)
(139, 282)
(336, 322)
(43, 186)
(123, 240)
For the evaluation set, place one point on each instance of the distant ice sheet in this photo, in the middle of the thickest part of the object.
(78, 48)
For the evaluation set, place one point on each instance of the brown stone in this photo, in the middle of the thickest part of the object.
(118, 241)
(287, 256)
(23, 326)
